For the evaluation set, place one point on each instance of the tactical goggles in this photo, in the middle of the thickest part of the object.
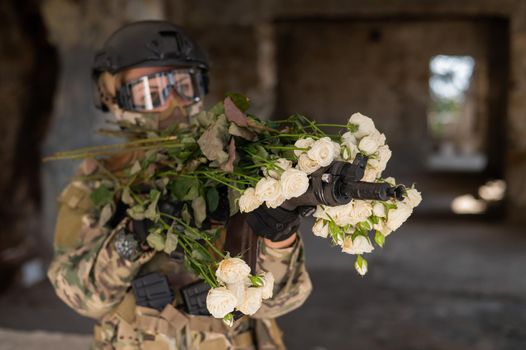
(154, 90)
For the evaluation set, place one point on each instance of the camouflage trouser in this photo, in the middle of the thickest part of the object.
(135, 327)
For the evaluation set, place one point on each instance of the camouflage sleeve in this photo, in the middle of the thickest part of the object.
(86, 271)
(292, 284)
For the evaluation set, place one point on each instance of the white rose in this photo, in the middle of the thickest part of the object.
(396, 217)
(349, 146)
(252, 301)
(365, 125)
(390, 180)
(362, 270)
(379, 210)
(276, 202)
(349, 137)
(341, 214)
(384, 154)
(268, 189)
(320, 213)
(413, 197)
(337, 150)
(322, 151)
(249, 201)
(361, 210)
(232, 270)
(360, 245)
(382, 227)
(268, 288)
(220, 301)
(302, 143)
(350, 150)
(371, 174)
(283, 164)
(238, 290)
(370, 143)
(382, 157)
(320, 228)
(307, 165)
(294, 183)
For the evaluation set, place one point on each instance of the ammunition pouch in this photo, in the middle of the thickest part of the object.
(153, 291)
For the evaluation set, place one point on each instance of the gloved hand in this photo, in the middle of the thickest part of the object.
(275, 224)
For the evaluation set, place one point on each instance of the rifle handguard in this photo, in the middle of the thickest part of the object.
(339, 183)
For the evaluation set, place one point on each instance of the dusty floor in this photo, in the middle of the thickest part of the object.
(436, 285)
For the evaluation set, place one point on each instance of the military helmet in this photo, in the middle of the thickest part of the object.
(149, 44)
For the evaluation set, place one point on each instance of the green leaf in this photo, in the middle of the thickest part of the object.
(199, 209)
(136, 212)
(203, 119)
(200, 256)
(244, 133)
(379, 238)
(360, 265)
(156, 240)
(229, 319)
(149, 158)
(374, 219)
(388, 206)
(171, 242)
(185, 188)
(217, 109)
(214, 140)
(242, 102)
(126, 196)
(233, 201)
(363, 227)
(152, 212)
(333, 228)
(136, 167)
(262, 152)
(337, 232)
(185, 215)
(101, 196)
(212, 199)
(256, 281)
(360, 261)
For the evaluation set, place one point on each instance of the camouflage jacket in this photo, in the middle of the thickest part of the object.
(89, 276)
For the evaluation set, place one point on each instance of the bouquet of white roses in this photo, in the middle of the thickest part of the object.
(259, 163)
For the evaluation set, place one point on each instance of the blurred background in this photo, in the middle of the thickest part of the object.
(445, 80)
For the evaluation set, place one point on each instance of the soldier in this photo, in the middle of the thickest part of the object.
(151, 74)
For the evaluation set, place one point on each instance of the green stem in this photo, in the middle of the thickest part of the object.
(195, 231)
(223, 182)
(195, 263)
(333, 125)
(68, 155)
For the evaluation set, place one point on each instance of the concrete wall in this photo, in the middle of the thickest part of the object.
(380, 68)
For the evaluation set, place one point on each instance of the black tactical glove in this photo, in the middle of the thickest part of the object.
(275, 224)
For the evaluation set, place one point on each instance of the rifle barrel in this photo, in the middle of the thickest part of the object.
(370, 190)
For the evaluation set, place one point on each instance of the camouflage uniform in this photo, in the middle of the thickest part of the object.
(94, 280)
